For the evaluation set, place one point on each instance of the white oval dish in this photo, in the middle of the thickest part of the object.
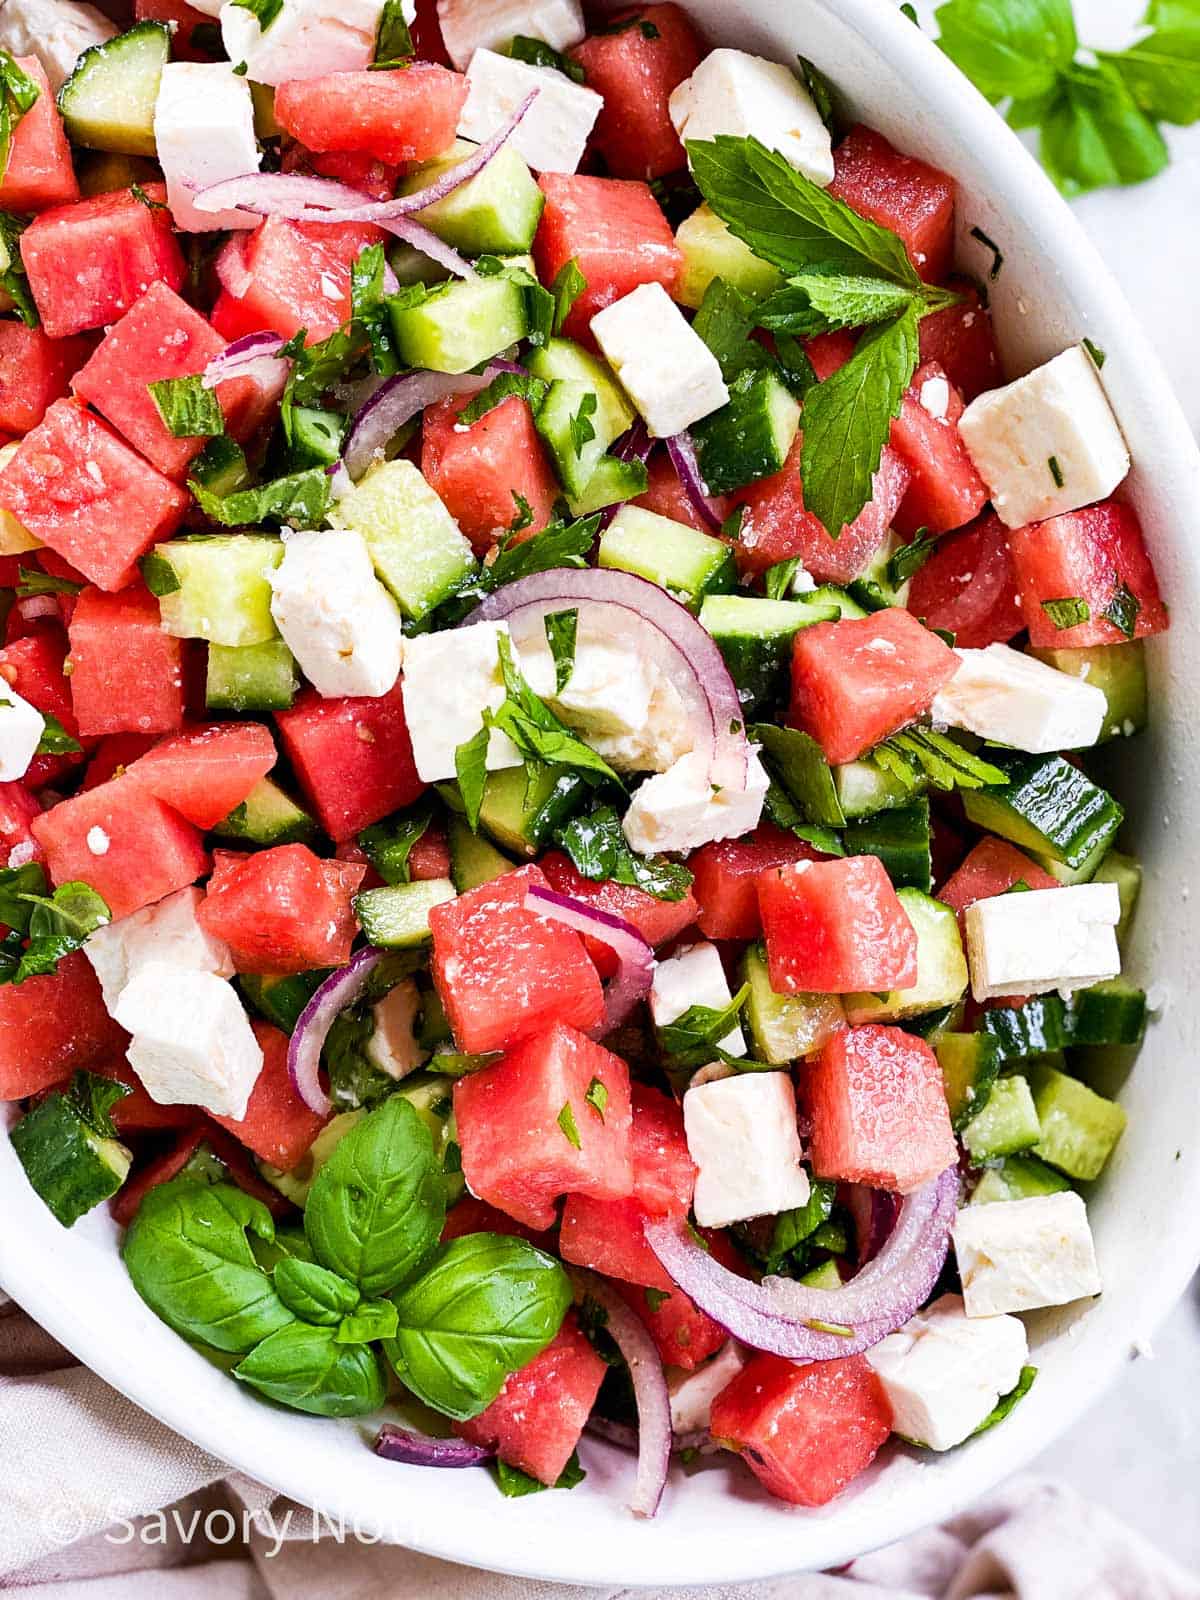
(716, 1526)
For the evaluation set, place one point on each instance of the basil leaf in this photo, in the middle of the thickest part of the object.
(20, 887)
(374, 1319)
(55, 740)
(600, 852)
(187, 408)
(1094, 134)
(514, 1484)
(264, 11)
(12, 269)
(569, 283)
(560, 629)
(307, 1369)
(1162, 73)
(1009, 47)
(187, 1254)
(314, 1293)
(376, 1209)
(522, 384)
(393, 40)
(485, 1306)
(387, 845)
(302, 499)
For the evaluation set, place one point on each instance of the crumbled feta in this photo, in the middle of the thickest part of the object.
(934, 396)
(449, 680)
(1018, 1255)
(335, 616)
(307, 39)
(57, 32)
(167, 931)
(192, 1042)
(98, 841)
(678, 810)
(204, 133)
(1043, 939)
(21, 729)
(663, 365)
(393, 1047)
(692, 1393)
(1048, 443)
(1014, 699)
(553, 133)
(470, 25)
(693, 977)
(747, 97)
(658, 743)
(743, 1136)
(944, 1371)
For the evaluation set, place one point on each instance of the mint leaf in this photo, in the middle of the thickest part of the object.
(18, 92)
(537, 732)
(12, 269)
(55, 740)
(501, 387)
(368, 307)
(57, 925)
(570, 1129)
(909, 559)
(777, 580)
(1009, 48)
(821, 302)
(35, 582)
(820, 91)
(470, 768)
(187, 408)
(582, 431)
(568, 285)
(1094, 134)
(700, 1029)
(264, 11)
(600, 852)
(393, 40)
(1122, 610)
(919, 754)
(301, 498)
(1068, 612)
(537, 53)
(561, 627)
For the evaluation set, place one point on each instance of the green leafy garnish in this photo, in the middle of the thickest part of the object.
(1068, 612)
(514, 1484)
(301, 498)
(537, 53)
(820, 91)
(537, 732)
(600, 852)
(264, 11)
(387, 845)
(597, 1097)
(777, 580)
(187, 408)
(1122, 610)
(54, 924)
(55, 740)
(35, 582)
(582, 431)
(561, 627)
(568, 285)
(504, 384)
(695, 1037)
(524, 516)
(470, 768)
(368, 306)
(570, 1129)
(18, 94)
(1007, 1401)
(393, 39)
(909, 559)
(919, 754)
(12, 269)
(1098, 356)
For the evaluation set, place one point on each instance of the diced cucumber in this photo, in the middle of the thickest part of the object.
(520, 814)
(784, 1027)
(268, 816)
(755, 637)
(295, 1184)
(280, 998)
(1117, 669)
(566, 420)
(873, 589)
(103, 171)
(1048, 807)
(1006, 1125)
(563, 358)
(473, 860)
(414, 542)
(941, 965)
(108, 101)
(1084, 872)
(826, 1276)
(846, 606)
(688, 564)
(458, 325)
(216, 586)
(711, 251)
(317, 437)
(69, 1152)
(901, 839)
(1126, 873)
(969, 1063)
(1078, 1127)
(863, 789)
(1109, 1013)
(251, 677)
(494, 213)
(396, 916)
(1017, 1178)
(800, 763)
(749, 437)
(612, 484)
(1037, 1028)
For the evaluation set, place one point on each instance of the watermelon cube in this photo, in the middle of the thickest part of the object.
(968, 587)
(35, 666)
(137, 1112)
(667, 496)
(18, 807)
(205, 772)
(130, 847)
(536, 1420)
(637, 61)
(34, 372)
(469, 1215)
(991, 868)
(38, 172)
(877, 1102)
(353, 757)
(944, 490)
(484, 472)
(617, 233)
(355, 168)
(83, 492)
(158, 337)
(1099, 556)
(835, 927)
(856, 681)
(126, 673)
(278, 1127)
(664, 1174)
(962, 341)
(289, 275)
(430, 856)
(49, 1026)
(281, 910)
(805, 1430)
(726, 879)
(905, 195)
(685, 1335)
(656, 920)
(528, 1133)
(402, 115)
(88, 262)
(504, 973)
(114, 754)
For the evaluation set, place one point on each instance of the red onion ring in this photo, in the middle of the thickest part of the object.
(652, 621)
(779, 1314)
(874, 1212)
(636, 445)
(397, 400)
(254, 355)
(338, 991)
(622, 1434)
(635, 957)
(649, 1392)
(233, 274)
(419, 1450)
(427, 242)
(687, 469)
(38, 605)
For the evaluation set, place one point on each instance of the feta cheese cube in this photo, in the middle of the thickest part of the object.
(1018, 1255)
(1048, 443)
(944, 1371)
(192, 1043)
(743, 1136)
(658, 743)
(449, 680)
(307, 39)
(1043, 939)
(744, 96)
(57, 32)
(335, 616)
(204, 131)
(693, 977)
(470, 25)
(677, 810)
(21, 729)
(692, 1393)
(1014, 699)
(610, 688)
(167, 931)
(393, 1047)
(553, 133)
(664, 366)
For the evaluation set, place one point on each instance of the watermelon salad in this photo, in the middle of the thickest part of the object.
(553, 874)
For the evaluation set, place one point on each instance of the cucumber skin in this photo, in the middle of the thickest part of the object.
(140, 140)
(72, 1168)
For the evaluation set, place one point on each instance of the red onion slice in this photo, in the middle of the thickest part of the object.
(622, 1434)
(396, 401)
(254, 355)
(635, 958)
(785, 1317)
(649, 1392)
(338, 991)
(646, 616)
(427, 242)
(419, 1450)
(635, 445)
(874, 1212)
(687, 469)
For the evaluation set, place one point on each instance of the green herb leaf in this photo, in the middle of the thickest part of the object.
(368, 298)
(1008, 48)
(799, 762)
(374, 1319)
(597, 1097)
(514, 1484)
(700, 1028)
(187, 408)
(57, 925)
(136, 192)
(20, 889)
(725, 321)
(393, 40)
(1007, 1401)
(35, 582)
(1068, 612)
(1056, 472)
(568, 285)
(777, 580)
(301, 499)
(55, 740)
(264, 11)
(582, 431)
(822, 302)
(1122, 610)
(314, 1293)
(600, 852)
(820, 91)
(1099, 357)
(1162, 72)
(354, 1081)
(12, 269)
(387, 845)
(18, 93)
(470, 768)
(570, 1129)
(920, 754)
(561, 627)
(909, 559)
(504, 384)
(524, 516)
(537, 53)
(308, 1369)
(1095, 135)
(537, 732)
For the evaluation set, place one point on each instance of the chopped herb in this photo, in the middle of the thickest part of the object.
(820, 91)
(524, 516)
(56, 925)
(909, 559)
(597, 1097)
(504, 384)
(1019, 887)
(18, 94)
(242, 68)
(568, 285)
(655, 1298)
(1122, 610)
(695, 1037)
(301, 499)
(1098, 356)
(997, 253)
(537, 53)
(470, 768)
(143, 199)
(159, 575)
(778, 579)
(188, 409)
(264, 11)
(1007, 1401)
(600, 852)
(910, 11)
(387, 845)
(1068, 612)
(1056, 472)
(368, 307)
(566, 1121)
(393, 40)
(731, 528)
(514, 1484)
(55, 740)
(647, 29)
(918, 753)
(582, 431)
(537, 732)
(35, 582)
(560, 629)
(12, 269)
